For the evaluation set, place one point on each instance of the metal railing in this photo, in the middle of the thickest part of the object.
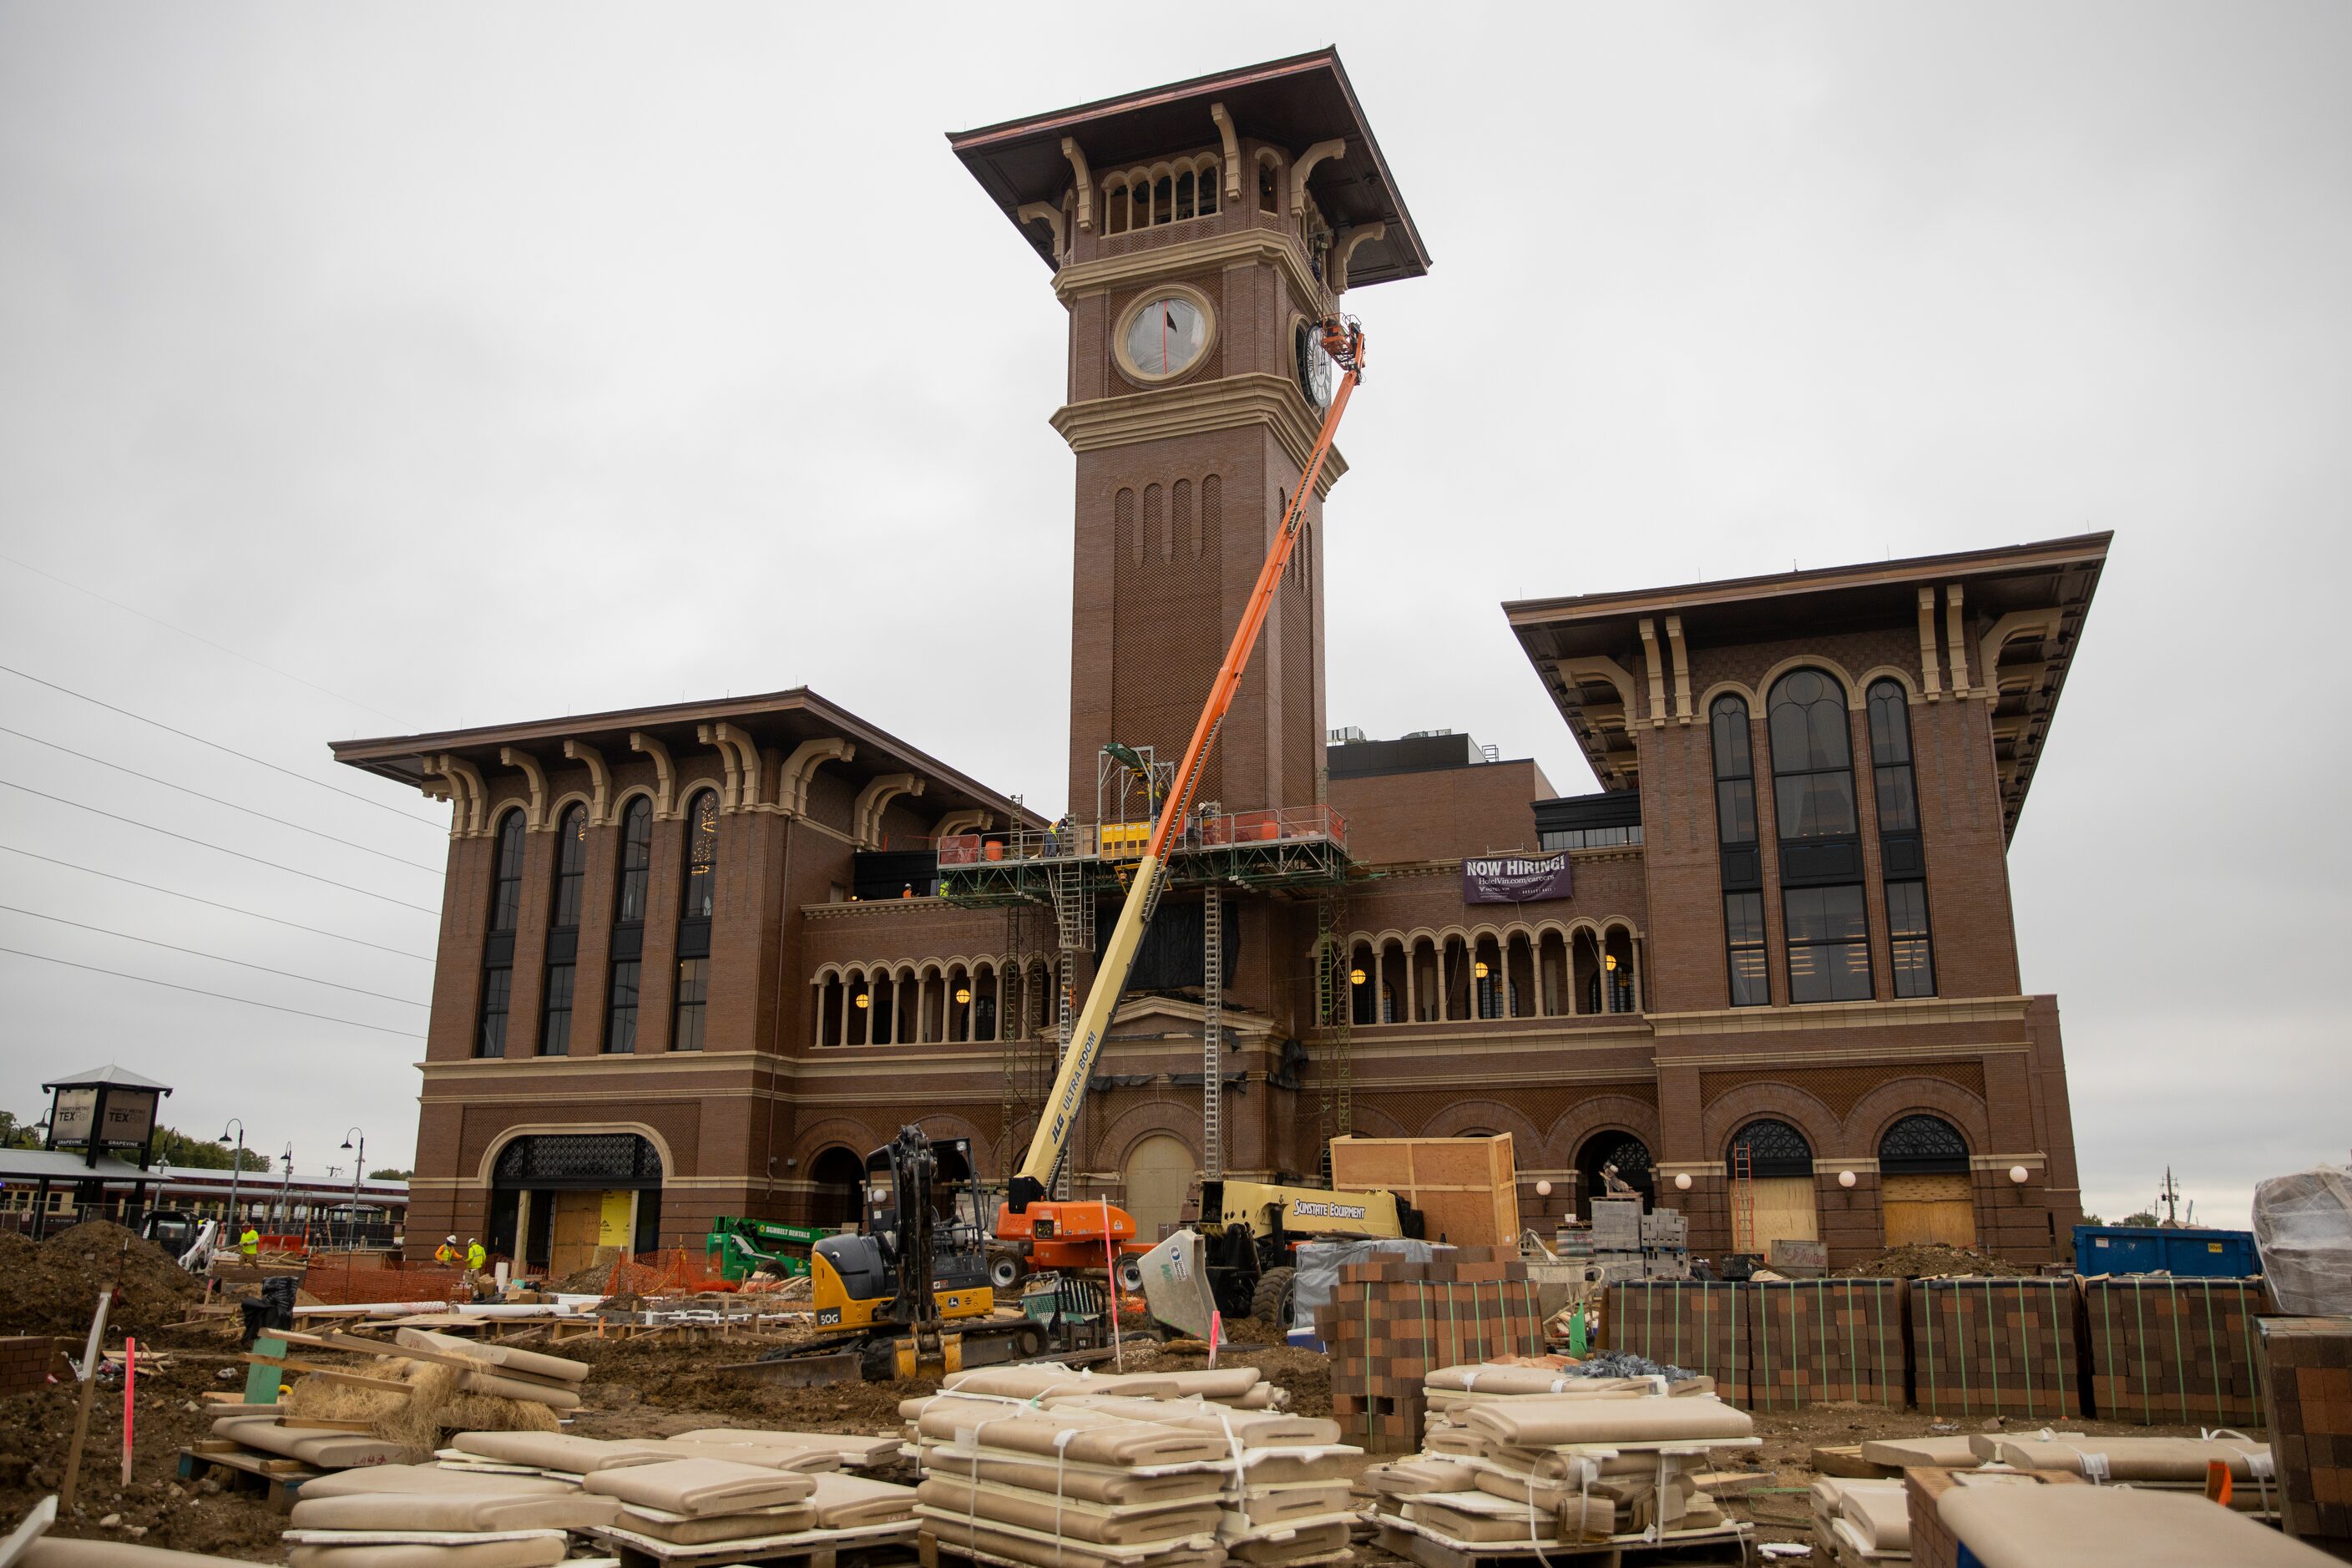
(1126, 840)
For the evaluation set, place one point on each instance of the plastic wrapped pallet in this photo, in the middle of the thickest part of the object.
(2302, 1231)
(1995, 1347)
(2164, 1350)
(1318, 1263)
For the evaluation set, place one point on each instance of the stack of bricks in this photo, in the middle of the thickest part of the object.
(1932, 1544)
(27, 1361)
(1392, 1322)
(2175, 1350)
(1995, 1347)
(1814, 1340)
(1699, 1325)
(2308, 1365)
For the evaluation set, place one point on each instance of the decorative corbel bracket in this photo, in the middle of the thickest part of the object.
(1306, 166)
(956, 821)
(465, 780)
(1051, 216)
(1337, 267)
(1086, 180)
(1232, 152)
(665, 773)
(799, 768)
(600, 781)
(534, 816)
(865, 817)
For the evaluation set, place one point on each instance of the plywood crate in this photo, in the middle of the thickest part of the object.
(1699, 1325)
(1996, 1347)
(2164, 1350)
(2308, 1385)
(1468, 1189)
(1810, 1340)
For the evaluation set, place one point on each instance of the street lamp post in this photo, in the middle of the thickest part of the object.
(359, 1167)
(236, 1168)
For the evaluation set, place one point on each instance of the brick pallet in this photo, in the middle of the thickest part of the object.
(27, 1361)
(1700, 1325)
(1816, 1341)
(2175, 1350)
(1393, 1322)
(1995, 1347)
(1933, 1545)
(2307, 1371)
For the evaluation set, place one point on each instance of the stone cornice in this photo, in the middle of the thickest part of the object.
(1842, 1016)
(1241, 248)
(1229, 403)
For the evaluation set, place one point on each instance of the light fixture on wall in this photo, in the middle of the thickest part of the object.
(864, 1000)
(1610, 961)
(1355, 977)
(2018, 1173)
(963, 994)
(1543, 1189)
(1481, 969)
(1682, 1181)
(1845, 1178)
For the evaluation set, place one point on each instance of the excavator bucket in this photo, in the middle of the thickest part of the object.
(1176, 1284)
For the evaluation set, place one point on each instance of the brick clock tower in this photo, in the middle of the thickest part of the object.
(1196, 233)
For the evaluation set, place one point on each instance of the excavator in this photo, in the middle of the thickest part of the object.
(1028, 1212)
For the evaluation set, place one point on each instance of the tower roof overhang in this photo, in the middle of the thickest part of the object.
(2023, 610)
(1294, 102)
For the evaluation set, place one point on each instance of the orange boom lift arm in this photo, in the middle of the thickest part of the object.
(1343, 340)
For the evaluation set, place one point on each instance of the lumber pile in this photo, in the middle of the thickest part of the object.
(2165, 1350)
(1862, 1522)
(1511, 1461)
(1040, 1465)
(1813, 1342)
(2308, 1383)
(1694, 1324)
(1995, 1347)
(1392, 1321)
(422, 1516)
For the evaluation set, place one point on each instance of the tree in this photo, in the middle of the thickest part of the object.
(15, 1134)
(2090, 1218)
(2142, 1219)
(202, 1153)
(390, 1175)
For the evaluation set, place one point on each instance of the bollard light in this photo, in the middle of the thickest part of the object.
(1845, 1178)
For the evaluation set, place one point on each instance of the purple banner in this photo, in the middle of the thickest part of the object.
(1514, 878)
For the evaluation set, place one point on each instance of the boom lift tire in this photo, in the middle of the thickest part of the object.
(1005, 1272)
(1130, 1276)
(1271, 1301)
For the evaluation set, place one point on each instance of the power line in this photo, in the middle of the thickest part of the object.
(208, 642)
(223, 996)
(216, 799)
(214, 904)
(216, 958)
(216, 746)
(219, 848)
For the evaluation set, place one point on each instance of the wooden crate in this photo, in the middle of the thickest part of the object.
(2178, 1350)
(1468, 1189)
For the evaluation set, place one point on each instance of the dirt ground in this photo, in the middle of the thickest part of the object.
(50, 1287)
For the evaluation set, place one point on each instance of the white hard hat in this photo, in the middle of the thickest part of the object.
(453, 1238)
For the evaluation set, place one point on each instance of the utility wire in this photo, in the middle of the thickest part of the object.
(212, 904)
(216, 799)
(223, 996)
(216, 958)
(208, 642)
(223, 849)
(216, 746)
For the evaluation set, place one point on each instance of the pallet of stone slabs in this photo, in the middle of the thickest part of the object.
(810, 1548)
(1996, 1347)
(233, 1465)
(930, 1552)
(2175, 1350)
(1699, 1325)
(1817, 1342)
(1732, 1541)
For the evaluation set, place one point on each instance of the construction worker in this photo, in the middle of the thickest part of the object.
(446, 1254)
(477, 1258)
(249, 1243)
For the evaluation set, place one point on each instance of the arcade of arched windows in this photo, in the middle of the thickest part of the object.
(1520, 970)
(1173, 192)
(931, 1001)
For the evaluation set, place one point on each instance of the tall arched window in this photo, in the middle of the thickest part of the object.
(629, 927)
(1922, 1144)
(1775, 1150)
(1741, 863)
(1902, 856)
(693, 993)
(1828, 930)
(497, 946)
(563, 931)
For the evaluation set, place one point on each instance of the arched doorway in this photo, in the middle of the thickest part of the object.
(567, 1201)
(1628, 1153)
(1779, 1164)
(840, 1179)
(1923, 1184)
(1159, 1179)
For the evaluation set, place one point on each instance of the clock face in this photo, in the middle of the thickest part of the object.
(1167, 336)
(1312, 366)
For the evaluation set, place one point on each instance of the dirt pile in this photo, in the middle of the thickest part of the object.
(50, 1288)
(1921, 1260)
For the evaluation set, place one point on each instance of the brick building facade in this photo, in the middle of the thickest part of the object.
(696, 960)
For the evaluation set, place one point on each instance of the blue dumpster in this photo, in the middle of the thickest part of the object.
(2152, 1250)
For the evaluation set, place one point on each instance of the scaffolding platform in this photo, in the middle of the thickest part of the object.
(1303, 848)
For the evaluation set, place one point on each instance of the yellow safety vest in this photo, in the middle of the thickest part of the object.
(249, 1243)
(475, 1256)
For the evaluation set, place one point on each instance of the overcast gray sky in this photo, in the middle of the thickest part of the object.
(471, 363)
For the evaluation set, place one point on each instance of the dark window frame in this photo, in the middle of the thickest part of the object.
(633, 881)
(505, 871)
(1800, 979)
(700, 857)
(491, 1018)
(1747, 971)
(556, 1009)
(1777, 1148)
(690, 1006)
(1795, 819)
(571, 868)
(620, 1007)
(1754, 988)
(1902, 849)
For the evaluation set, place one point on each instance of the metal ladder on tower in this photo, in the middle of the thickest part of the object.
(1073, 923)
(1213, 1036)
(1335, 1003)
(1743, 1197)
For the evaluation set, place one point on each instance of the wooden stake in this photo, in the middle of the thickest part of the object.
(130, 1381)
(90, 1359)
